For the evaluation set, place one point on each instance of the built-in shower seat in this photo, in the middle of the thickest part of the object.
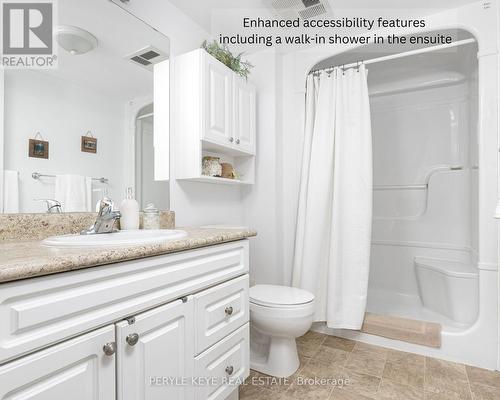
(449, 287)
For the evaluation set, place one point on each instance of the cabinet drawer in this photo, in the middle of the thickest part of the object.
(224, 366)
(219, 311)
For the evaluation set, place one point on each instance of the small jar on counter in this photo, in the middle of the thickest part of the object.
(151, 219)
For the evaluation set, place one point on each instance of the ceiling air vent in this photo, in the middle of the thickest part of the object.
(283, 4)
(147, 57)
(314, 11)
(310, 3)
(304, 9)
(140, 60)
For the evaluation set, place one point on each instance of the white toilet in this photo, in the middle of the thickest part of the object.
(278, 315)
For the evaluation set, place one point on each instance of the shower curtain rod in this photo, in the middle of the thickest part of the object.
(399, 55)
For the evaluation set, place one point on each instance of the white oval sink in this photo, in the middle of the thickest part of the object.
(119, 238)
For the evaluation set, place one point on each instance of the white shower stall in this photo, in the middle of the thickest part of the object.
(424, 252)
(434, 119)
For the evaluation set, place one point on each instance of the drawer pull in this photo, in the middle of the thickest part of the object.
(132, 339)
(109, 348)
(229, 370)
(229, 310)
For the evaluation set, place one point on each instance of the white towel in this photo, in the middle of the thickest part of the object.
(10, 192)
(74, 192)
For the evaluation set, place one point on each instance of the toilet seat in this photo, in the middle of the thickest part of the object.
(276, 296)
(283, 312)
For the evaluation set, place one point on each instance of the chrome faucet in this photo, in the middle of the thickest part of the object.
(53, 206)
(106, 219)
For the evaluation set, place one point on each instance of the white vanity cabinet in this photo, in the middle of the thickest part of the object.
(155, 328)
(214, 114)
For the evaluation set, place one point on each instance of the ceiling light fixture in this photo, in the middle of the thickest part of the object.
(74, 40)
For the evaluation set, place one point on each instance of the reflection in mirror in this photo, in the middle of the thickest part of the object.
(90, 118)
(147, 188)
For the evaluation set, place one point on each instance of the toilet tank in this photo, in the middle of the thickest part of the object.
(448, 287)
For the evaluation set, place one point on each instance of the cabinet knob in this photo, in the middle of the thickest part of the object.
(109, 348)
(229, 310)
(229, 370)
(231, 139)
(132, 339)
(237, 141)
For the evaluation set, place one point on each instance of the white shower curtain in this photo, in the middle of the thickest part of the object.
(332, 242)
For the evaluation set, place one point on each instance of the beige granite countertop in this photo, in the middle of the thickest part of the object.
(29, 258)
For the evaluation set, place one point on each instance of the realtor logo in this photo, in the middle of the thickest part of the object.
(27, 40)
(27, 28)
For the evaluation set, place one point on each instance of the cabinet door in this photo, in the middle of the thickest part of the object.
(77, 369)
(155, 353)
(218, 103)
(244, 115)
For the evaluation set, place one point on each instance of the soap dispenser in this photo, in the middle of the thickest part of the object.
(129, 209)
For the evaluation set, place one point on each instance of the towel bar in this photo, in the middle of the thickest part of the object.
(37, 175)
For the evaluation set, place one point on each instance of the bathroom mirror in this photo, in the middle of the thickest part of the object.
(96, 124)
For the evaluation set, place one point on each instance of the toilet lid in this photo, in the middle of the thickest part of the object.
(274, 295)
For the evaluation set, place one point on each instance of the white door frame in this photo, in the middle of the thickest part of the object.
(132, 110)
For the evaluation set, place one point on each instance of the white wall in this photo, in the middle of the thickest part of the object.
(263, 201)
(62, 112)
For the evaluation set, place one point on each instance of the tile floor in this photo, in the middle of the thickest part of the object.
(356, 371)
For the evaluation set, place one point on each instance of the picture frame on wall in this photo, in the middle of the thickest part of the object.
(89, 144)
(38, 148)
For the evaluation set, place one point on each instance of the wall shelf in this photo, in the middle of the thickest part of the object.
(213, 147)
(216, 180)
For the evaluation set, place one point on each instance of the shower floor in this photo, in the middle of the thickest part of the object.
(405, 306)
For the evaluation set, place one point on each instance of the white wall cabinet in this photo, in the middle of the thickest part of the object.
(214, 114)
(154, 312)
